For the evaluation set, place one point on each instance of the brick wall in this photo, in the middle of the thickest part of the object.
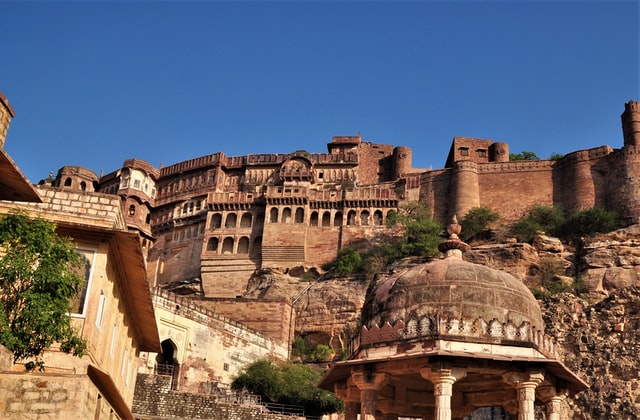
(154, 400)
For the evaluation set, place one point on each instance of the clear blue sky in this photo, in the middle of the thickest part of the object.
(95, 83)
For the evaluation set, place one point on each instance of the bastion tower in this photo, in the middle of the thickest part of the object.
(625, 168)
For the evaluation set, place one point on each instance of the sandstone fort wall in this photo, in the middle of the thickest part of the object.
(303, 207)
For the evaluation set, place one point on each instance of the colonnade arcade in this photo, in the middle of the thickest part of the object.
(428, 389)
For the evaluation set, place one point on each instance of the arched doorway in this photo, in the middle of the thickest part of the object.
(167, 362)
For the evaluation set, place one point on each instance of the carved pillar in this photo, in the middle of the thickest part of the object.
(442, 380)
(525, 384)
(554, 408)
(368, 384)
(553, 400)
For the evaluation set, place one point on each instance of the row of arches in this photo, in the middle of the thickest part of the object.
(325, 218)
(230, 246)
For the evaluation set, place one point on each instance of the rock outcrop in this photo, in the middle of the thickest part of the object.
(601, 343)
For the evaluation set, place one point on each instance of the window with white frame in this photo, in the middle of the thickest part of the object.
(125, 356)
(114, 335)
(100, 314)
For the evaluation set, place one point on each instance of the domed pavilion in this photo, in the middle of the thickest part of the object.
(440, 340)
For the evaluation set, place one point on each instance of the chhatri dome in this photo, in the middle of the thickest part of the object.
(442, 339)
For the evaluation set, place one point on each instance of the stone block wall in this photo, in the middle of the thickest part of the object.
(155, 401)
(50, 397)
(375, 163)
(274, 318)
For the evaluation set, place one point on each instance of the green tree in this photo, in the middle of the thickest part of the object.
(287, 383)
(556, 156)
(548, 219)
(421, 232)
(349, 261)
(39, 277)
(261, 377)
(523, 156)
(589, 222)
(477, 221)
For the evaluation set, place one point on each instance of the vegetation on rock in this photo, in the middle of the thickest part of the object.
(552, 221)
(420, 237)
(39, 278)
(476, 222)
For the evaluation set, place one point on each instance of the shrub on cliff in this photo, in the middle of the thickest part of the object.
(349, 261)
(587, 223)
(476, 222)
(538, 219)
(421, 233)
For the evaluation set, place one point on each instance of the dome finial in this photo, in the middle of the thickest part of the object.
(453, 245)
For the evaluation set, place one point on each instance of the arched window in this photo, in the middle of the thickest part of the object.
(337, 220)
(185, 208)
(232, 220)
(326, 219)
(83, 186)
(286, 215)
(191, 207)
(377, 218)
(67, 182)
(313, 221)
(243, 245)
(364, 218)
(245, 221)
(216, 221)
(212, 245)
(132, 210)
(227, 246)
(273, 215)
(351, 218)
(299, 215)
(148, 218)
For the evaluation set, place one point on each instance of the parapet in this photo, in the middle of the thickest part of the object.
(631, 123)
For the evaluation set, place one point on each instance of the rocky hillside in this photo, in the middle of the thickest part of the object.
(598, 331)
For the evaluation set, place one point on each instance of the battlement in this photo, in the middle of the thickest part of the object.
(632, 106)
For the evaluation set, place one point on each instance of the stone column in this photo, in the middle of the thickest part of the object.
(368, 384)
(553, 399)
(554, 408)
(525, 384)
(442, 380)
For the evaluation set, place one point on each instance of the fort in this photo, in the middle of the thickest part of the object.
(217, 219)
(206, 226)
